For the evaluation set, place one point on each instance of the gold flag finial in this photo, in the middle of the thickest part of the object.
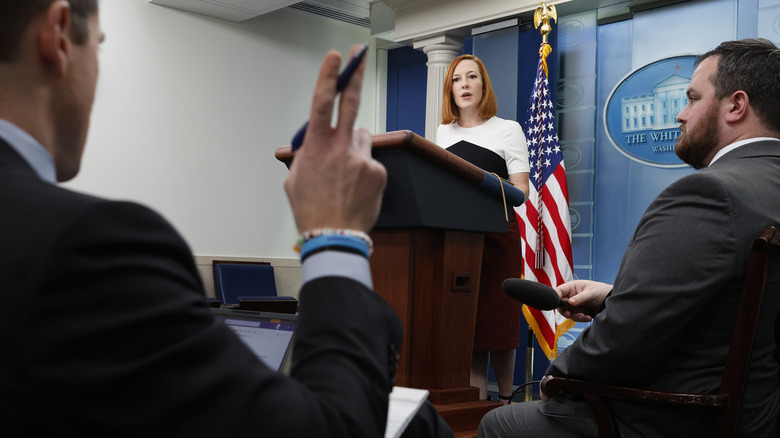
(543, 15)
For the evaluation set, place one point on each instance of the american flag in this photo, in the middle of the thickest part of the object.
(545, 228)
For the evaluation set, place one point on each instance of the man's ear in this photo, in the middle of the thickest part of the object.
(737, 106)
(54, 41)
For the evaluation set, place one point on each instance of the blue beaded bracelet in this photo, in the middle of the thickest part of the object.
(317, 232)
(337, 242)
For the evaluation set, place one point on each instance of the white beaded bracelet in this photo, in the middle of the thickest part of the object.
(318, 232)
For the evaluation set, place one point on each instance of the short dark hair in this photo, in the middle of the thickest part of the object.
(16, 15)
(753, 66)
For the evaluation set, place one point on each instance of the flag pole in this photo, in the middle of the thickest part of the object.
(542, 17)
(529, 364)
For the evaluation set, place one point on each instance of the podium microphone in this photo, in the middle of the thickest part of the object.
(538, 295)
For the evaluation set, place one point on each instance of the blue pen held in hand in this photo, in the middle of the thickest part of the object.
(342, 82)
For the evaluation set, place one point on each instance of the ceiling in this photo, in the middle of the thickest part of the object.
(380, 16)
(240, 10)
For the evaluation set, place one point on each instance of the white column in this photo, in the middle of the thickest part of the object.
(441, 50)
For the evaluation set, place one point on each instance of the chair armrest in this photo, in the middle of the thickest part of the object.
(554, 386)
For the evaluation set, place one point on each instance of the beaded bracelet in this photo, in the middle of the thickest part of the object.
(318, 232)
(336, 242)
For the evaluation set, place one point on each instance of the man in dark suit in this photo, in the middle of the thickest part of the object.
(104, 324)
(666, 323)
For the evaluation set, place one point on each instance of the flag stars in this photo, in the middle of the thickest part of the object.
(545, 157)
(544, 152)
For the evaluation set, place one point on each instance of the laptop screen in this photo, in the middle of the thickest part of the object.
(268, 335)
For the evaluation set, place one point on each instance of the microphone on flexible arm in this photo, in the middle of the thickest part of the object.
(539, 296)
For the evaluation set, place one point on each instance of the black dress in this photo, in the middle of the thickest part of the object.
(499, 317)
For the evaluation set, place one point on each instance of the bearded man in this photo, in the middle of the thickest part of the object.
(666, 323)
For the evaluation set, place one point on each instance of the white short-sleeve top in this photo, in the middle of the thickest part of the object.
(504, 137)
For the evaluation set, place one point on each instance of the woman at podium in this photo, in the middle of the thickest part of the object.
(471, 130)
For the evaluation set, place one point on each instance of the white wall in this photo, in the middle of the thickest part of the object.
(190, 110)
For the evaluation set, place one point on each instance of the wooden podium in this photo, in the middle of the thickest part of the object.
(426, 263)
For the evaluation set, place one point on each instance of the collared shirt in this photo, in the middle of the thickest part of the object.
(36, 155)
(737, 144)
(337, 264)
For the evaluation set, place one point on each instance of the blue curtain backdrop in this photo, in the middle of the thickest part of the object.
(407, 77)
(624, 188)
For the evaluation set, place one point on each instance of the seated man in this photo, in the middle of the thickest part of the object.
(104, 323)
(667, 322)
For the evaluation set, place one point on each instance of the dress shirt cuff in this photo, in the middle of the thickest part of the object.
(337, 264)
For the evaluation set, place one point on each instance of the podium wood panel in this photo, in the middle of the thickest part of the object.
(465, 417)
(431, 279)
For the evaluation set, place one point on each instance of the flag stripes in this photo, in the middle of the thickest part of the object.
(545, 228)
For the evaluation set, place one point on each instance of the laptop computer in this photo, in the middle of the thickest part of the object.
(269, 335)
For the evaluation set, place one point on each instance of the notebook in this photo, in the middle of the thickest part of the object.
(268, 335)
(404, 404)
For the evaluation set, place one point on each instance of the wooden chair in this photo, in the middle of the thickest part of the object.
(726, 404)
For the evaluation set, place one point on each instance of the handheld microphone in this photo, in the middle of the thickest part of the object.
(538, 295)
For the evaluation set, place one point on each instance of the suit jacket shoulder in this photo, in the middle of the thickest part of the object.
(674, 298)
(104, 314)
